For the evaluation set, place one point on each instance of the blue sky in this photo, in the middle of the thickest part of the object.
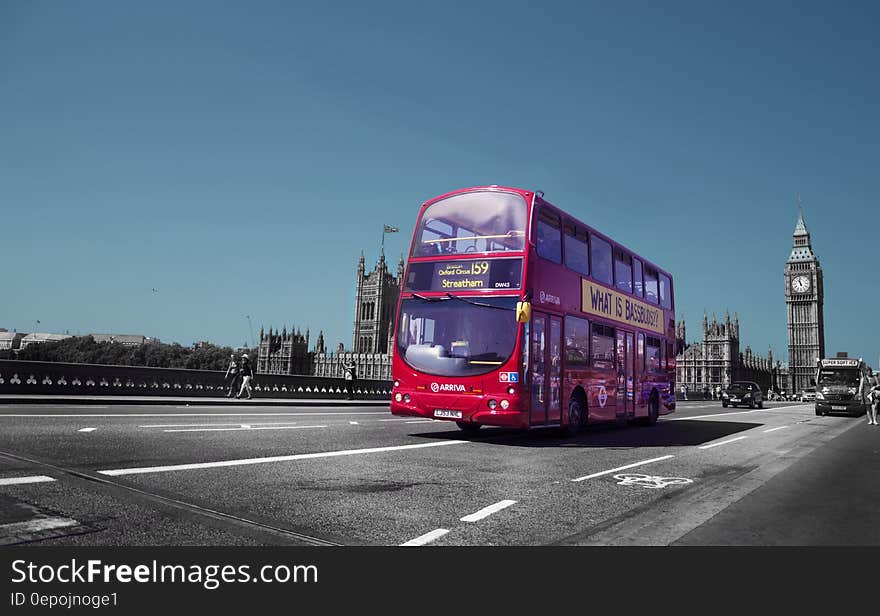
(239, 156)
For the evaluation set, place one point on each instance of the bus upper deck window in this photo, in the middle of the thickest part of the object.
(651, 293)
(548, 238)
(665, 291)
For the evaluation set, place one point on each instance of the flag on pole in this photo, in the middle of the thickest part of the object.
(390, 229)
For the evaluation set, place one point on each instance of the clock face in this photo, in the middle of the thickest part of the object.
(800, 284)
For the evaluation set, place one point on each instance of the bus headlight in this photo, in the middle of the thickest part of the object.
(493, 404)
(406, 398)
(398, 397)
(396, 383)
(511, 390)
(505, 404)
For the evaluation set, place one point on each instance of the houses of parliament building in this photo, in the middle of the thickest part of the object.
(717, 360)
(376, 297)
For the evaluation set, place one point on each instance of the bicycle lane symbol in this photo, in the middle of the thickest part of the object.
(650, 481)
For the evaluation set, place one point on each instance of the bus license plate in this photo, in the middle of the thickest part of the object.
(838, 408)
(447, 413)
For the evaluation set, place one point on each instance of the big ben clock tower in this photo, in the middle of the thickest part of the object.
(804, 297)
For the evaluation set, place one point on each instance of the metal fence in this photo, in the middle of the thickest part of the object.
(37, 377)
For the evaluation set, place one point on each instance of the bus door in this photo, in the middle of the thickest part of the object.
(546, 377)
(626, 359)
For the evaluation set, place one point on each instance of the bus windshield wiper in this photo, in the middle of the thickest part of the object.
(480, 304)
(429, 299)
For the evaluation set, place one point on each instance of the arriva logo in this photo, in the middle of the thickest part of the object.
(438, 387)
(549, 298)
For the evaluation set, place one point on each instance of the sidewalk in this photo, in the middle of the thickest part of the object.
(182, 400)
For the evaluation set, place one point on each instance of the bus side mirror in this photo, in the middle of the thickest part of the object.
(523, 312)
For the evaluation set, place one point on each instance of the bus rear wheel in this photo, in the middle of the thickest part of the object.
(468, 427)
(576, 417)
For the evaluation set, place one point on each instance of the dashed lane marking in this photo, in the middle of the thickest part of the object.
(487, 511)
(14, 481)
(86, 429)
(248, 461)
(427, 537)
(242, 428)
(66, 416)
(731, 440)
(36, 525)
(622, 468)
(775, 429)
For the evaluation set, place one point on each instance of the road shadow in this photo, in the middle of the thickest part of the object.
(663, 434)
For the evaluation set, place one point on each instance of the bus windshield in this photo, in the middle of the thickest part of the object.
(473, 222)
(456, 336)
(839, 376)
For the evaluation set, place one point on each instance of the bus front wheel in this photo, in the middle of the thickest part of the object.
(468, 427)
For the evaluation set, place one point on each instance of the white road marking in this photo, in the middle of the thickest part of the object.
(487, 511)
(242, 428)
(774, 408)
(247, 461)
(86, 429)
(216, 425)
(731, 440)
(622, 468)
(14, 481)
(64, 416)
(352, 423)
(775, 429)
(427, 537)
(420, 421)
(36, 525)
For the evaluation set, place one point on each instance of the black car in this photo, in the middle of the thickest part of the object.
(743, 392)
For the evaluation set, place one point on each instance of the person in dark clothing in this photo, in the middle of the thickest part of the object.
(232, 376)
(247, 375)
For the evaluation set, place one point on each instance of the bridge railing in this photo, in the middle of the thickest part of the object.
(36, 377)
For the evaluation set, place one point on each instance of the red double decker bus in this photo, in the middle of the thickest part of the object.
(514, 313)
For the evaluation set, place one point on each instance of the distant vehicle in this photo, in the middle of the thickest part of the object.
(743, 392)
(808, 395)
(838, 386)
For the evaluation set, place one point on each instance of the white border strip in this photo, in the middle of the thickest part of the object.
(15, 481)
(738, 438)
(621, 468)
(485, 512)
(775, 429)
(302, 456)
(241, 429)
(426, 538)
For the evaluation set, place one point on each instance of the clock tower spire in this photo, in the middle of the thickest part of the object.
(804, 299)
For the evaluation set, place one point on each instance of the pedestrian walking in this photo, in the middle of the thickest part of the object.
(232, 376)
(684, 394)
(351, 377)
(872, 398)
(247, 375)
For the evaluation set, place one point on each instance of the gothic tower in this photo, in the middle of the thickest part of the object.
(804, 299)
(375, 304)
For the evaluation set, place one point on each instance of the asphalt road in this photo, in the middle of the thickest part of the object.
(117, 474)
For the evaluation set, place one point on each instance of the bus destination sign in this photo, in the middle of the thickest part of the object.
(601, 301)
(840, 363)
(464, 275)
